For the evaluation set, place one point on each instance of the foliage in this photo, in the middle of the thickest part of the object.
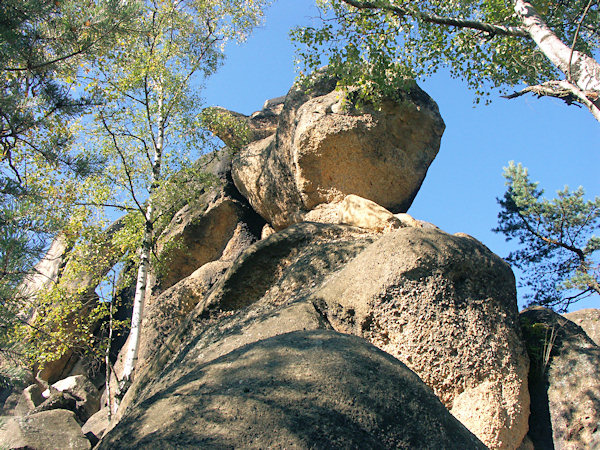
(540, 339)
(149, 128)
(374, 45)
(558, 249)
(43, 43)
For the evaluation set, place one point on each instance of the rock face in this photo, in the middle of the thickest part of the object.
(445, 306)
(46, 430)
(298, 306)
(589, 320)
(565, 390)
(437, 302)
(324, 149)
(308, 389)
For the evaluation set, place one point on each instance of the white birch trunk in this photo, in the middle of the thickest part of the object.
(142, 277)
(581, 70)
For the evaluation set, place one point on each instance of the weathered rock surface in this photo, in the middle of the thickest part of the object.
(565, 394)
(87, 397)
(46, 430)
(169, 309)
(198, 234)
(30, 398)
(96, 425)
(324, 149)
(272, 276)
(309, 389)
(589, 320)
(446, 307)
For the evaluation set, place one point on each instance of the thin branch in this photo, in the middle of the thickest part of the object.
(401, 11)
(124, 161)
(107, 205)
(565, 91)
(547, 240)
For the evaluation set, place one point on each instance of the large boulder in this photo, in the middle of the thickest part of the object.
(267, 284)
(589, 320)
(445, 306)
(96, 425)
(565, 380)
(46, 430)
(307, 389)
(325, 149)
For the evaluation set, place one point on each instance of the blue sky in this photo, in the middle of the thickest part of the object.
(559, 144)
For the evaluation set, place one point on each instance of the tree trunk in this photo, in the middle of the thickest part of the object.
(582, 71)
(142, 277)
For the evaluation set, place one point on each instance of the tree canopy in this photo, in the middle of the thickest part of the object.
(491, 44)
(559, 249)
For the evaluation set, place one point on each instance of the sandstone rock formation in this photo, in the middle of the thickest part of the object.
(307, 389)
(323, 148)
(437, 302)
(589, 320)
(440, 304)
(565, 382)
(304, 309)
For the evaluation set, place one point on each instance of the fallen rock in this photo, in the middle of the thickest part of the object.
(30, 398)
(565, 379)
(589, 320)
(46, 430)
(87, 397)
(59, 400)
(446, 307)
(288, 392)
(325, 149)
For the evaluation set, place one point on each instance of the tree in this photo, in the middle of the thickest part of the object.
(149, 125)
(43, 44)
(559, 252)
(377, 44)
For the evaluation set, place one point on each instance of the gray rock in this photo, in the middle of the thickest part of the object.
(307, 389)
(322, 152)
(87, 397)
(30, 398)
(48, 430)
(589, 320)
(445, 306)
(267, 278)
(96, 425)
(565, 380)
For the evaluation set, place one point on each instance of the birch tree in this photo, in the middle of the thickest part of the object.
(550, 46)
(150, 124)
